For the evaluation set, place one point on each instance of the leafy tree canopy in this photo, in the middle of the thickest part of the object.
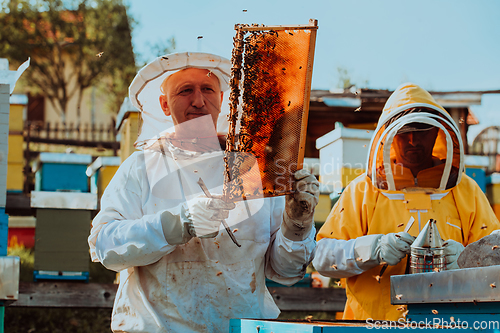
(73, 45)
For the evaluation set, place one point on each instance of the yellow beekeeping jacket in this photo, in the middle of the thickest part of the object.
(384, 199)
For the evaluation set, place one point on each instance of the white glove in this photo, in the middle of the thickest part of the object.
(372, 250)
(299, 208)
(452, 250)
(200, 217)
(207, 214)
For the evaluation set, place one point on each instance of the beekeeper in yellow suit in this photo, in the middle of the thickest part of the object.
(415, 172)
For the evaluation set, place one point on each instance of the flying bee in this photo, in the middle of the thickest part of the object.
(334, 266)
(99, 54)
(377, 277)
(493, 285)
(358, 109)
(494, 247)
(435, 311)
(399, 296)
(484, 226)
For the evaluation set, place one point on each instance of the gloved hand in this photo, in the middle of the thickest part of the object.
(394, 247)
(299, 206)
(452, 250)
(372, 250)
(199, 217)
(207, 214)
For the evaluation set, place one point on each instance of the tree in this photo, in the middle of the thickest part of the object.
(73, 45)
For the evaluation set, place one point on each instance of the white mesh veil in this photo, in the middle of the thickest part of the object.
(144, 91)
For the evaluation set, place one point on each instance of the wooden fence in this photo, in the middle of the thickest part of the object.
(99, 136)
(99, 295)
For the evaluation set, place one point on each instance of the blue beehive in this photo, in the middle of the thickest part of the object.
(62, 172)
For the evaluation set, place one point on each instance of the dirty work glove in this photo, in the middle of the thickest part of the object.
(199, 217)
(299, 206)
(206, 214)
(452, 250)
(373, 250)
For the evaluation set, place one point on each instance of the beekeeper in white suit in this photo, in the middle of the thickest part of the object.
(179, 269)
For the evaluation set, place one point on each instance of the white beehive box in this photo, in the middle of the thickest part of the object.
(342, 154)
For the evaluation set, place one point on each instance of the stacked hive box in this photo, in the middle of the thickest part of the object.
(342, 154)
(101, 171)
(15, 160)
(127, 125)
(475, 167)
(63, 210)
(493, 192)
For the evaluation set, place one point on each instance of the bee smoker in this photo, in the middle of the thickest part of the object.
(427, 253)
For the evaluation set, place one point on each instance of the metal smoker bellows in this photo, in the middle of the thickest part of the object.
(427, 253)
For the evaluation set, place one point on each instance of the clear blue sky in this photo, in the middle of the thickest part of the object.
(440, 45)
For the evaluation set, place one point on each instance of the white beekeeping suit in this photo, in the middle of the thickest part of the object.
(171, 281)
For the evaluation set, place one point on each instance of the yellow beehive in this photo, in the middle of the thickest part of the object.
(15, 158)
(101, 171)
(323, 208)
(493, 188)
(493, 192)
(128, 127)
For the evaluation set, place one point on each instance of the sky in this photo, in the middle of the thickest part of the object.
(442, 45)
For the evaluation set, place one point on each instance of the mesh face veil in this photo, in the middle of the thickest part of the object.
(447, 151)
(145, 90)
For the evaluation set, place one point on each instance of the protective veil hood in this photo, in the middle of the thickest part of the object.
(144, 91)
(447, 154)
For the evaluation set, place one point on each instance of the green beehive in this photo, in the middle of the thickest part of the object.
(62, 228)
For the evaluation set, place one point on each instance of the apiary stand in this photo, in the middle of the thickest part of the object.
(62, 229)
(467, 297)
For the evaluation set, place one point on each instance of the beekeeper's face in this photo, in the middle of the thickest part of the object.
(191, 93)
(414, 149)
